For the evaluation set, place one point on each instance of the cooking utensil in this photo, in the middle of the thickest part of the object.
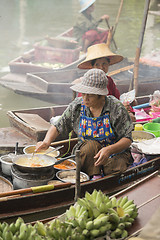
(25, 163)
(62, 159)
(16, 148)
(6, 163)
(52, 150)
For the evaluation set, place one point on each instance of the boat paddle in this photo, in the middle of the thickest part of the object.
(37, 189)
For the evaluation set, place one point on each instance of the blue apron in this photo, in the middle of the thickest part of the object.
(97, 128)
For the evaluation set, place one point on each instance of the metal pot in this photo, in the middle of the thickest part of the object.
(36, 163)
(24, 182)
(6, 163)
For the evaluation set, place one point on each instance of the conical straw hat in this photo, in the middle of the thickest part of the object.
(98, 51)
(85, 4)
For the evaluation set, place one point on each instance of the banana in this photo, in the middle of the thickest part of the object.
(89, 225)
(18, 223)
(101, 215)
(129, 211)
(121, 225)
(78, 208)
(106, 199)
(68, 230)
(85, 232)
(114, 202)
(82, 223)
(105, 228)
(114, 218)
(112, 210)
(123, 201)
(120, 211)
(70, 213)
(56, 234)
(102, 207)
(107, 206)
(130, 206)
(23, 235)
(128, 203)
(119, 201)
(113, 235)
(98, 199)
(96, 212)
(82, 202)
(94, 195)
(128, 224)
(118, 232)
(97, 223)
(124, 234)
(131, 219)
(62, 232)
(41, 229)
(95, 233)
(134, 214)
(12, 228)
(8, 235)
(88, 196)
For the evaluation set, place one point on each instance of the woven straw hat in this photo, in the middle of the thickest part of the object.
(94, 81)
(98, 51)
(85, 4)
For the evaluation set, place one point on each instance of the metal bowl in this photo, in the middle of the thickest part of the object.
(6, 163)
(139, 136)
(68, 164)
(70, 176)
(30, 149)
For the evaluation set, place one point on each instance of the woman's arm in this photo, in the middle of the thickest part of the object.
(51, 135)
(103, 155)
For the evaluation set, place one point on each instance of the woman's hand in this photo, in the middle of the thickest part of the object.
(103, 156)
(41, 146)
(105, 17)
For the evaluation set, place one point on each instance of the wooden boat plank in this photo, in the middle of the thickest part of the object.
(9, 136)
(35, 121)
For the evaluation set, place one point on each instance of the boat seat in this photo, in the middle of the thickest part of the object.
(35, 121)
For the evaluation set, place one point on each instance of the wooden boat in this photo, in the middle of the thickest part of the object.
(147, 205)
(27, 126)
(34, 206)
(48, 204)
(54, 87)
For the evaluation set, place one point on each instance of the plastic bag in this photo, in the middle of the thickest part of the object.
(128, 97)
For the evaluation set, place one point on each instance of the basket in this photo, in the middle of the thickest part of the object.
(152, 128)
(54, 55)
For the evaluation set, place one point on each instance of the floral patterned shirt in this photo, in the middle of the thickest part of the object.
(119, 118)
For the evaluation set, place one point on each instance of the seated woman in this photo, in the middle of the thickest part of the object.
(85, 29)
(102, 125)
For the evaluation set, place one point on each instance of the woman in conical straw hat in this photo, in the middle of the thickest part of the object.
(101, 123)
(100, 56)
(85, 28)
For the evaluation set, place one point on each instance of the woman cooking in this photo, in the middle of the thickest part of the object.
(102, 125)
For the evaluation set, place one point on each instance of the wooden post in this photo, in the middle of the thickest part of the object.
(78, 169)
(138, 50)
(117, 18)
(110, 35)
